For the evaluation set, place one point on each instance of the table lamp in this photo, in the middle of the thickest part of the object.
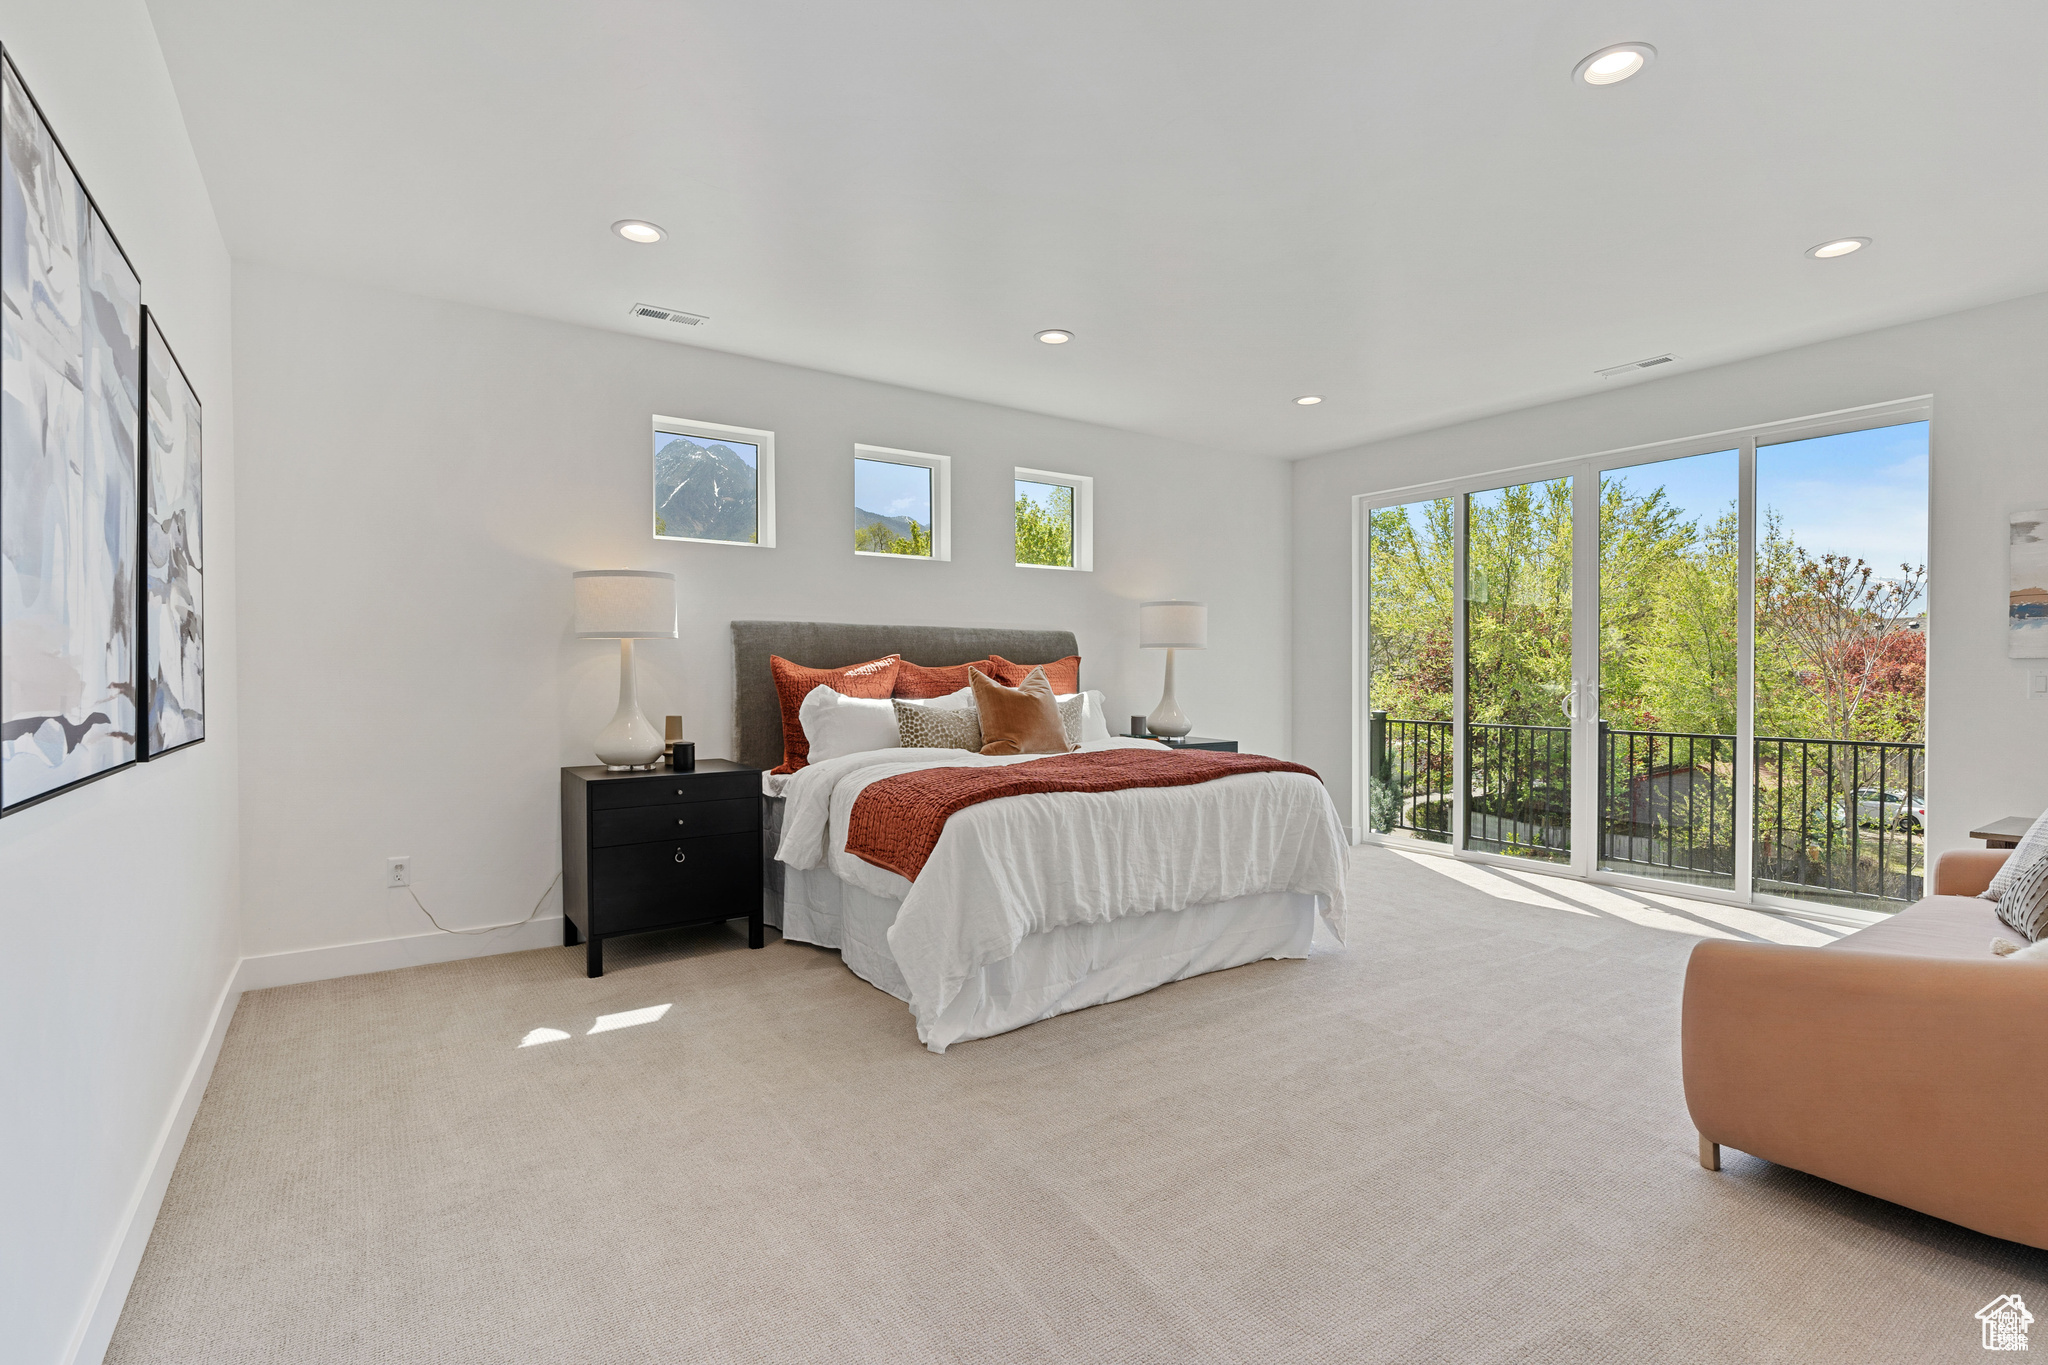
(1170, 626)
(626, 605)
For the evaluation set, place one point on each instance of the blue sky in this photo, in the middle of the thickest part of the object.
(1861, 494)
(1040, 493)
(893, 490)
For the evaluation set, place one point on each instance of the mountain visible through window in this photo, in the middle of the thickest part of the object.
(706, 489)
(892, 508)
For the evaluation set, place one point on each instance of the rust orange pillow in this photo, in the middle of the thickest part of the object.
(793, 682)
(1063, 674)
(915, 682)
(1020, 720)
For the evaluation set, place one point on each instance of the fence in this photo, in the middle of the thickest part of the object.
(1837, 820)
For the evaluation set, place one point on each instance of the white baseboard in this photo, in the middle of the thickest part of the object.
(383, 954)
(96, 1327)
(103, 1306)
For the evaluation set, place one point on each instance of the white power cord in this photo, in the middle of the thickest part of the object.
(488, 928)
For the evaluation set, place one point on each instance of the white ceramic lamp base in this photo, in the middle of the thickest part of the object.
(631, 740)
(1166, 718)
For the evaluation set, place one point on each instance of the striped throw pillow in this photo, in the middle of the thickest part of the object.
(2024, 905)
(2032, 845)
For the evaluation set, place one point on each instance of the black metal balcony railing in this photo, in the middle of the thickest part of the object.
(1521, 778)
(1668, 802)
(1836, 820)
(1411, 767)
(1840, 816)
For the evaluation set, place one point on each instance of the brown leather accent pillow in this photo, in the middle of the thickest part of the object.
(793, 682)
(1019, 720)
(915, 682)
(1063, 674)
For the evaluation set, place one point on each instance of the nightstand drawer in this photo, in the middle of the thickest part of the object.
(648, 824)
(677, 881)
(666, 789)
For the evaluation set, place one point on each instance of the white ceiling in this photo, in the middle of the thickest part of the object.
(1408, 207)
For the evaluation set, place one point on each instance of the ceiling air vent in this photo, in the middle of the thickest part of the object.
(648, 310)
(1652, 363)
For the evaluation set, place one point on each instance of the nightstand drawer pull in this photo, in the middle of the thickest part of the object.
(679, 855)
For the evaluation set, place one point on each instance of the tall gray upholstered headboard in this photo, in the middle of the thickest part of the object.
(757, 713)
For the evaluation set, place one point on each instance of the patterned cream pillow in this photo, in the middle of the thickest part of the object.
(1070, 717)
(931, 727)
(2033, 844)
(2025, 903)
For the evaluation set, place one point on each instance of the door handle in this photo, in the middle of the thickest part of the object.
(1569, 703)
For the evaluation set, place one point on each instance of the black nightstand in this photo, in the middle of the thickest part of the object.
(1221, 746)
(655, 850)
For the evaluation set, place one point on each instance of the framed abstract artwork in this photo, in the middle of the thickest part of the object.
(173, 634)
(2026, 610)
(70, 418)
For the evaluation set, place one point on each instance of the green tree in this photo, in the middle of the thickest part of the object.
(1045, 535)
(877, 538)
(1409, 646)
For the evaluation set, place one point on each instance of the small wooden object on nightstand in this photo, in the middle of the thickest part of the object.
(1221, 746)
(656, 850)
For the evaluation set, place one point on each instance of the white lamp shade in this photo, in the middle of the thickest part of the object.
(1173, 625)
(625, 604)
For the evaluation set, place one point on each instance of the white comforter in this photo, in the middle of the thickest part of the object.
(1019, 865)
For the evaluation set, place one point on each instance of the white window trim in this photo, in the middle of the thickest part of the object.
(764, 476)
(941, 467)
(1084, 518)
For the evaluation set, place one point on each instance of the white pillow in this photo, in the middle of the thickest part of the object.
(1094, 726)
(963, 700)
(838, 725)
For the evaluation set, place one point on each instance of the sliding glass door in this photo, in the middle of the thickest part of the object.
(1518, 671)
(1697, 663)
(1670, 628)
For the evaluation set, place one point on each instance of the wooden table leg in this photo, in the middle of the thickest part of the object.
(570, 938)
(757, 929)
(593, 957)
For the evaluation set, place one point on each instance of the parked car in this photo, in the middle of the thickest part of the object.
(1879, 806)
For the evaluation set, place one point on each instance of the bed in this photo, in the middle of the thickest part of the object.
(1032, 905)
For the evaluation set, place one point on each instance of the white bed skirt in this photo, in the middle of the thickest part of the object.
(1063, 969)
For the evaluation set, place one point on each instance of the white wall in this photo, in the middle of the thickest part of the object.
(420, 479)
(118, 900)
(1987, 743)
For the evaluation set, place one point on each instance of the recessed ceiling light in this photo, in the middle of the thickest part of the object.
(1309, 400)
(1611, 65)
(1056, 336)
(636, 230)
(1841, 246)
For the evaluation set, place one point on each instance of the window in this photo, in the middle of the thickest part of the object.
(902, 503)
(713, 483)
(1055, 520)
(1700, 661)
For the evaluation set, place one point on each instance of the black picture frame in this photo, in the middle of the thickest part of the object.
(156, 351)
(92, 218)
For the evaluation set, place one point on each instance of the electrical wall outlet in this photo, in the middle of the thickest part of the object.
(2037, 686)
(398, 871)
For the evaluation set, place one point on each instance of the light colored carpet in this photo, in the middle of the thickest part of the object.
(1461, 1139)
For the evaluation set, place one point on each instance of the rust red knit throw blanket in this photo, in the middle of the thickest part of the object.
(896, 822)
